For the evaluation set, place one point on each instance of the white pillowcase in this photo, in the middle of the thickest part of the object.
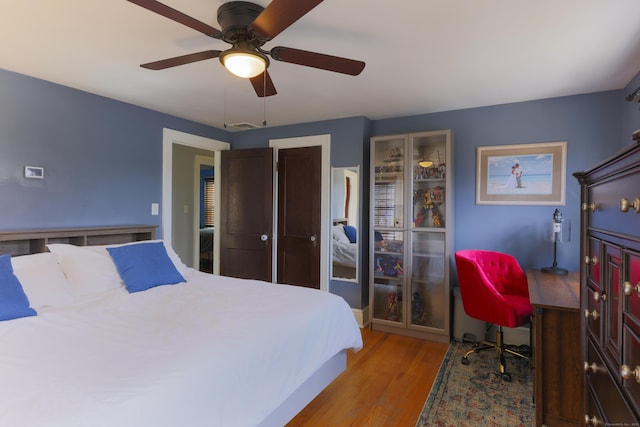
(91, 270)
(43, 280)
(339, 234)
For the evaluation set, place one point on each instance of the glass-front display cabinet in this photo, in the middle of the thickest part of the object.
(411, 233)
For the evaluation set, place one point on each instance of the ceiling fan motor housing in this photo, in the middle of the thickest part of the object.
(235, 17)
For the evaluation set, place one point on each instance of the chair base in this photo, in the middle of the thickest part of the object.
(500, 348)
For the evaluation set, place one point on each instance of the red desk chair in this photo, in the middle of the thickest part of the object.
(494, 289)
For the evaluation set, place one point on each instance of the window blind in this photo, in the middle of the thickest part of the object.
(209, 201)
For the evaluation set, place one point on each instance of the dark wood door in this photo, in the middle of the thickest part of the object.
(246, 213)
(299, 175)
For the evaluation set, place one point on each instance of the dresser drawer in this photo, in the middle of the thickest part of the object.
(593, 314)
(607, 197)
(593, 261)
(611, 310)
(604, 394)
(631, 287)
(631, 359)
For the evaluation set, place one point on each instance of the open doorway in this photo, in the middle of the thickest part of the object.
(179, 224)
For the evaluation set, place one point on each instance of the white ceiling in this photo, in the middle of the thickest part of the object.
(422, 56)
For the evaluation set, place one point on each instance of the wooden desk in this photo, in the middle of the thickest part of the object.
(556, 348)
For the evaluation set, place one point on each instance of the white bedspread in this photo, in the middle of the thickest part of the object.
(344, 252)
(215, 351)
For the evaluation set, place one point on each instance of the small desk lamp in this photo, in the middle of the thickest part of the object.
(560, 232)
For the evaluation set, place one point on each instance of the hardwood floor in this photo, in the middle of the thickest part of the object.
(385, 384)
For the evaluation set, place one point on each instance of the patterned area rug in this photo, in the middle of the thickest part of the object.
(474, 395)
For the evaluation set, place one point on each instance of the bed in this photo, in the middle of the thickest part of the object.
(111, 345)
(344, 249)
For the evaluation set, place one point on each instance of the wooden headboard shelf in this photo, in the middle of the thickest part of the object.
(23, 242)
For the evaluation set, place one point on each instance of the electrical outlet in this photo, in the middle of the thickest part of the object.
(185, 209)
(155, 209)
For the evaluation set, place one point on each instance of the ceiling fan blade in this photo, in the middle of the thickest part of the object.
(263, 87)
(174, 15)
(317, 60)
(279, 15)
(181, 60)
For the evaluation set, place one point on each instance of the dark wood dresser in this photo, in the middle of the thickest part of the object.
(610, 288)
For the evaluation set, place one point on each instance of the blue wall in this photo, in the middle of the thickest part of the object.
(103, 160)
(589, 123)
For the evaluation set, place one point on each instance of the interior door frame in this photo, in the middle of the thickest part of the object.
(169, 138)
(324, 141)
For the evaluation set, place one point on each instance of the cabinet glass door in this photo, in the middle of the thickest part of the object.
(429, 283)
(388, 275)
(388, 190)
(388, 222)
(429, 181)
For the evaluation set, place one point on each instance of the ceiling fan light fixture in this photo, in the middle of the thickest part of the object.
(244, 63)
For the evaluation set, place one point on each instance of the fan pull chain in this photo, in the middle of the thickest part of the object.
(225, 99)
(264, 98)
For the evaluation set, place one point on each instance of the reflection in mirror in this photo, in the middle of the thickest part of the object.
(345, 198)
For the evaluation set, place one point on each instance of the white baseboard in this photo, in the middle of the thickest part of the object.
(362, 316)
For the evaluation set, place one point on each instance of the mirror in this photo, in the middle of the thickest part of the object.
(345, 233)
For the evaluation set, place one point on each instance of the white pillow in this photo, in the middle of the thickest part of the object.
(88, 271)
(339, 234)
(43, 280)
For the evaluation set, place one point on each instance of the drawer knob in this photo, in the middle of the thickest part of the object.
(625, 205)
(629, 289)
(588, 207)
(592, 261)
(592, 367)
(592, 421)
(591, 314)
(627, 373)
(597, 296)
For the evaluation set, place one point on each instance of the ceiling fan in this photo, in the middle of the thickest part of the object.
(247, 27)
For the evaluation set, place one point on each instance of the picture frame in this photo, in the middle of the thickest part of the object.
(521, 174)
(34, 172)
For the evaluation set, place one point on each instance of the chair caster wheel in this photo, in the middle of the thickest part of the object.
(465, 361)
(506, 377)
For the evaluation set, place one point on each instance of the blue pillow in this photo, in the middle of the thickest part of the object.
(350, 231)
(144, 265)
(13, 301)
